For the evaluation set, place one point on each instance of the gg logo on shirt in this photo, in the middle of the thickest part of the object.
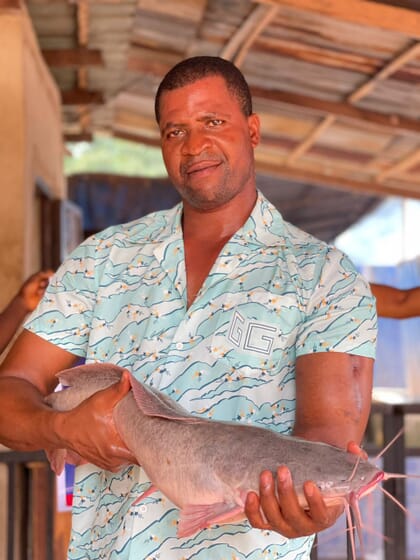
(251, 335)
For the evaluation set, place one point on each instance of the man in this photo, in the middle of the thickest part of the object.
(219, 304)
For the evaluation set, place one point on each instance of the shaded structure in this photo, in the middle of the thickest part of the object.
(335, 83)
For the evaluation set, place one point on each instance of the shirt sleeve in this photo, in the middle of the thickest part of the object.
(341, 312)
(64, 315)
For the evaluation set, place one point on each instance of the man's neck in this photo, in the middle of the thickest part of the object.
(220, 223)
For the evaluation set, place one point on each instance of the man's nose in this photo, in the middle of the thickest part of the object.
(195, 142)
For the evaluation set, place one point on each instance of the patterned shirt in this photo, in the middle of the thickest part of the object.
(273, 294)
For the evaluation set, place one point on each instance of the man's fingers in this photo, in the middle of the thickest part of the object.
(254, 513)
(352, 447)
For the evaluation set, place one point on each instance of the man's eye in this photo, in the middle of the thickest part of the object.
(215, 122)
(174, 133)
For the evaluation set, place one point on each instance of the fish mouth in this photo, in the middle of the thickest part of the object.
(371, 485)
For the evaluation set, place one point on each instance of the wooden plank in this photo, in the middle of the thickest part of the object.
(144, 60)
(79, 96)
(310, 139)
(318, 55)
(334, 155)
(8, 4)
(319, 179)
(73, 58)
(392, 123)
(79, 137)
(247, 32)
(363, 12)
(138, 138)
(135, 121)
(406, 163)
(192, 10)
(411, 52)
(82, 22)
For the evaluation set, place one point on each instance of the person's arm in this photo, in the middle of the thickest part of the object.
(27, 423)
(333, 396)
(23, 303)
(395, 303)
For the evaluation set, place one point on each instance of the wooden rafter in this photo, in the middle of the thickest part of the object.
(309, 141)
(408, 54)
(82, 38)
(81, 96)
(73, 58)
(15, 4)
(403, 165)
(80, 137)
(362, 12)
(330, 153)
(324, 180)
(141, 139)
(241, 41)
(391, 123)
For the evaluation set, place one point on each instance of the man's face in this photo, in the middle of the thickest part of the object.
(207, 143)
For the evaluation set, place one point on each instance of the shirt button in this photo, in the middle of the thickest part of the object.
(143, 509)
(179, 345)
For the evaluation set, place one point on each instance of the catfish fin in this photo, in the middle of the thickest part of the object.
(99, 373)
(146, 494)
(193, 518)
(80, 382)
(59, 457)
(154, 403)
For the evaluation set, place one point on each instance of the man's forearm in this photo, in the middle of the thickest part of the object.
(26, 423)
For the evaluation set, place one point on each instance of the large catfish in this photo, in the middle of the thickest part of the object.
(206, 467)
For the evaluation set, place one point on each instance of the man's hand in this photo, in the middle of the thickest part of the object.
(89, 429)
(33, 289)
(283, 514)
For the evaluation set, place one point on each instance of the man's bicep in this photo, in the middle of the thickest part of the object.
(333, 396)
(36, 360)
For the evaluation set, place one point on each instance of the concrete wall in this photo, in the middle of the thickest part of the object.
(31, 148)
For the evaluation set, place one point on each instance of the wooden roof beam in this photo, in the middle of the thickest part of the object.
(385, 72)
(73, 58)
(10, 4)
(319, 179)
(79, 96)
(392, 123)
(240, 42)
(406, 163)
(310, 140)
(138, 138)
(79, 137)
(363, 12)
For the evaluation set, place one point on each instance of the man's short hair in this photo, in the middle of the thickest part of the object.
(196, 68)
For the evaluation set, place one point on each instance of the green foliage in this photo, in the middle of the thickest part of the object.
(112, 155)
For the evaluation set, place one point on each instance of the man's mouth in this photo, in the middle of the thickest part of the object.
(201, 167)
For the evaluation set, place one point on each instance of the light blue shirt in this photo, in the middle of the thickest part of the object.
(273, 294)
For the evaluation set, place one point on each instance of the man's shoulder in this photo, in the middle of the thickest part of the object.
(147, 229)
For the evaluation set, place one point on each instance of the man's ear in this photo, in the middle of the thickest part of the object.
(254, 129)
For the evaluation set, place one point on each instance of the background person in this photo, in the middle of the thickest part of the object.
(396, 303)
(25, 301)
(221, 305)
